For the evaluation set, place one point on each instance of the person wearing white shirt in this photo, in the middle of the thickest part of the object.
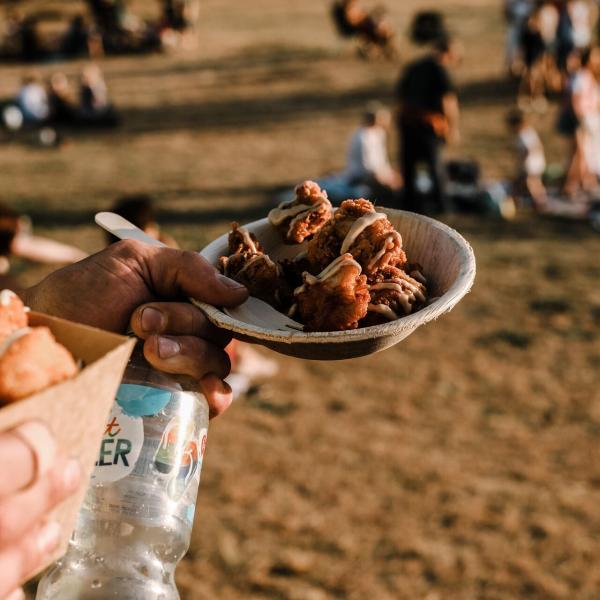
(367, 160)
(530, 159)
(32, 100)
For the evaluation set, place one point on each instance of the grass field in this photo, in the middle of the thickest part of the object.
(463, 463)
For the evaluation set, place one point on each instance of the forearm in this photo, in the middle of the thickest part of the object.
(451, 110)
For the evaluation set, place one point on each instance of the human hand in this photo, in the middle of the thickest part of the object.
(146, 287)
(36, 477)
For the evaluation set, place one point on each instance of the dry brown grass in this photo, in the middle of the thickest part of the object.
(462, 464)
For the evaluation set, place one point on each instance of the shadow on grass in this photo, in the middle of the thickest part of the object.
(527, 228)
(249, 113)
(488, 92)
(201, 212)
(267, 56)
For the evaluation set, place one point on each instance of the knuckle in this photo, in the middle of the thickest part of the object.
(198, 321)
(127, 248)
(199, 351)
(199, 263)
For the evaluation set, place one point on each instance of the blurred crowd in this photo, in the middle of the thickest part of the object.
(47, 107)
(551, 52)
(551, 47)
(108, 27)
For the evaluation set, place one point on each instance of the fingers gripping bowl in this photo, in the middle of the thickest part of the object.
(448, 263)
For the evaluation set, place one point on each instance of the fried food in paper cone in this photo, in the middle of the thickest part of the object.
(13, 315)
(30, 361)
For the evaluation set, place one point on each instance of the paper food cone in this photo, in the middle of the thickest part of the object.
(75, 410)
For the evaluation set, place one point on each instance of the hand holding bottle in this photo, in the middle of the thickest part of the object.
(133, 283)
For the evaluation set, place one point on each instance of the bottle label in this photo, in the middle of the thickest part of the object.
(179, 455)
(120, 448)
(152, 450)
(142, 401)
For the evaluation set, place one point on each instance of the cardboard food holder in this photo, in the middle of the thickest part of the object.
(75, 410)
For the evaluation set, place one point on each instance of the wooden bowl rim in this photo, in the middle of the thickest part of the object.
(459, 288)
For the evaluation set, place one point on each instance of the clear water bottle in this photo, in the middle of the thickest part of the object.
(136, 519)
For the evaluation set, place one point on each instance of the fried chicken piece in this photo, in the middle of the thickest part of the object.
(13, 315)
(30, 361)
(250, 266)
(242, 241)
(301, 218)
(358, 229)
(336, 299)
(394, 294)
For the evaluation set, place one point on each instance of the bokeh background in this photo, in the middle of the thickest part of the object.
(463, 463)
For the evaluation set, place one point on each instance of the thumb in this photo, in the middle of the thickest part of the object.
(181, 273)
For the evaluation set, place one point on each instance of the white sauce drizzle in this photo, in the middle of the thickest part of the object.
(247, 239)
(6, 297)
(358, 227)
(384, 310)
(408, 291)
(304, 214)
(339, 263)
(297, 212)
(387, 285)
(278, 215)
(256, 258)
(418, 276)
(388, 244)
(12, 338)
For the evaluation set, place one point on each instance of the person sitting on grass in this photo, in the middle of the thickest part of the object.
(368, 163)
(139, 210)
(17, 240)
(373, 29)
(60, 102)
(530, 159)
(32, 100)
(96, 108)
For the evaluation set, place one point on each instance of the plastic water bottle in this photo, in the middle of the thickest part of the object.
(136, 519)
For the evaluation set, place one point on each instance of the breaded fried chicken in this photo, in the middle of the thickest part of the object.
(358, 229)
(393, 294)
(336, 299)
(250, 266)
(301, 218)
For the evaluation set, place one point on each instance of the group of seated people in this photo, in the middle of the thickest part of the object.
(54, 103)
(109, 29)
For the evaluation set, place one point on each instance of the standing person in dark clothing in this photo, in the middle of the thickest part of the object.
(534, 50)
(427, 118)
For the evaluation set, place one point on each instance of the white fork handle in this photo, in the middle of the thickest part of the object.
(123, 229)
